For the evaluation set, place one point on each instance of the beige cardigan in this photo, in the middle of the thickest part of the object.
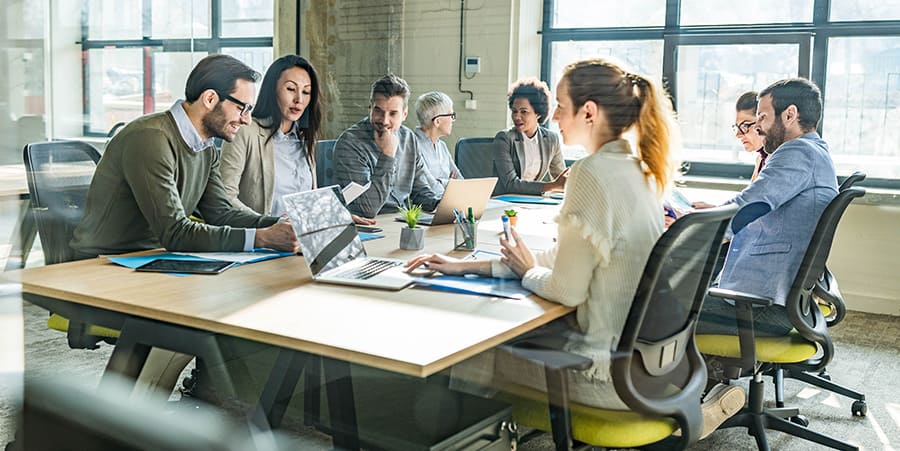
(248, 168)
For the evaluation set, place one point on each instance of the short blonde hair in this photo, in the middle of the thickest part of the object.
(431, 104)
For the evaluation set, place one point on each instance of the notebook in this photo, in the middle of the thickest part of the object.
(331, 246)
(461, 194)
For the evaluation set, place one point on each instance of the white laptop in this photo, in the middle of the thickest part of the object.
(331, 247)
(461, 194)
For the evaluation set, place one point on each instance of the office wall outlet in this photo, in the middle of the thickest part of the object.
(471, 104)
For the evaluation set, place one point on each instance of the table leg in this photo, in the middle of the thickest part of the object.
(22, 237)
(341, 406)
(280, 387)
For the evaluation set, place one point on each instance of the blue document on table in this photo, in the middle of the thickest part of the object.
(528, 200)
(237, 257)
(366, 236)
(483, 286)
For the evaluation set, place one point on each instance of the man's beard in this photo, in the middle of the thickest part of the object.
(774, 137)
(216, 124)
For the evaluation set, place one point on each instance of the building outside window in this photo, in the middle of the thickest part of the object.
(708, 52)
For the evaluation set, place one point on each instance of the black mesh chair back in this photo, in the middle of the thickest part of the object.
(805, 315)
(475, 157)
(325, 162)
(59, 174)
(656, 366)
(851, 180)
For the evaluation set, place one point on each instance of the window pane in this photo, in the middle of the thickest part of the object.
(114, 79)
(865, 10)
(862, 105)
(115, 20)
(609, 13)
(643, 57)
(717, 12)
(180, 19)
(258, 58)
(170, 72)
(247, 18)
(710, 79)
(25, 20)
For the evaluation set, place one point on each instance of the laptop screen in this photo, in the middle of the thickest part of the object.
(324, 228)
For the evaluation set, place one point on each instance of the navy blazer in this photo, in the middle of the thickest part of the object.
(779, 212)
(509, 158)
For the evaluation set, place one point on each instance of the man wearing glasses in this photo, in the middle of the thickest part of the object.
(164, 166)
(382, 151)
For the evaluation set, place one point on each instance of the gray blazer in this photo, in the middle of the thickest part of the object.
(248, 168)
(779, 212)
(509, 158)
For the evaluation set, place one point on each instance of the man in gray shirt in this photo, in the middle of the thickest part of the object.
(382, 151)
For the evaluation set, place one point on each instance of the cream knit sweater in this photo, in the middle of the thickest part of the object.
(608, 223)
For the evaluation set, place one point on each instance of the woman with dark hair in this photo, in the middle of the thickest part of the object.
(276, 154)
(528, 158)
(745, 129)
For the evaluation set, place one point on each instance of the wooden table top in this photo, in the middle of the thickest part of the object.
(414, 331)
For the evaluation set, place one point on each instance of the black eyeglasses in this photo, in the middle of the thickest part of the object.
(743, 127)
(452, 116)
(246, 108)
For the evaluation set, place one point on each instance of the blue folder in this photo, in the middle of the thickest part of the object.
(528, 200)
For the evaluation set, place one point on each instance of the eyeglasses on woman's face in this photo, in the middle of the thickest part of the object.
(743, 127)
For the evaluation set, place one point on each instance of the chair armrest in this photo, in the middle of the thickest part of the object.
(552, 359)
(739, 296)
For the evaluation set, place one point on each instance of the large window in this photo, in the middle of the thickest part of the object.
(708, 52)
(138, 53)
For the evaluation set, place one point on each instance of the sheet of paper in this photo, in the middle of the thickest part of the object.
(354, 190)
(238, 257)
(484, 286)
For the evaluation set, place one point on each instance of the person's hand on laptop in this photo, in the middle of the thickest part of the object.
(362, 221)
(449, 265)
(386, 139)
(280, 237)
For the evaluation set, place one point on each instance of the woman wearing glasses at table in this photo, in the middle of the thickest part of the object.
(435, 113)
(276, 154)
(528, 158)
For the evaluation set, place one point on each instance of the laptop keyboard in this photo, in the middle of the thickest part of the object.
(369, 269)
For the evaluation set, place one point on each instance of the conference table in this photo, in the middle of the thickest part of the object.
(416, 332)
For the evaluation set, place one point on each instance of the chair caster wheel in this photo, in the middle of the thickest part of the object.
(859, 408)
(799, 419)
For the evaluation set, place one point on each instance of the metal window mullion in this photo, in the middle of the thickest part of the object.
(546, 41)
(215, 28)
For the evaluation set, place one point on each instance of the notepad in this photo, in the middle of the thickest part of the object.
(482, 286)
(528, 200)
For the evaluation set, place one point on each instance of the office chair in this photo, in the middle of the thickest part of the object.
(475, 157)
(656, 368)
(831, 302)
(807, 348)
(59, 174)
(325, 162)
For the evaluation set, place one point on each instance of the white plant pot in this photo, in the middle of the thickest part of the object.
(412, 239)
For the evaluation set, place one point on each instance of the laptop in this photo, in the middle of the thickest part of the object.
(461, 194)
(331, 246)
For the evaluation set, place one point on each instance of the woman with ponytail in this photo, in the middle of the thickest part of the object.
(612, 202)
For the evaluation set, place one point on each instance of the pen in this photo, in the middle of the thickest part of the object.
(471, 216)
(505, 220)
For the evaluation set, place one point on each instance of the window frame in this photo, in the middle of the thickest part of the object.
(213, 44)
(813, 38)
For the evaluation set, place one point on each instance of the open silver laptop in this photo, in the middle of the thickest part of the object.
(461, 194)
(331, 246)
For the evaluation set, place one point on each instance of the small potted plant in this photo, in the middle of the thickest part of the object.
(512, 216)
(412, 236)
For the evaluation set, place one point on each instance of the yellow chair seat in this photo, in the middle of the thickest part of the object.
(591, 425)
(827, 309)
(791, 348)
(62, 324)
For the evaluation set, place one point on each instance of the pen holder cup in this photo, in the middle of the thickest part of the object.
(465, 236)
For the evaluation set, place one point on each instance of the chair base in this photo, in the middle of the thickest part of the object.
(757, 419)
(859, 407)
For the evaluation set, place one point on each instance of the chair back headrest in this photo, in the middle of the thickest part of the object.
(656, 366)
(325, 162)
(475, 157)
(851, 180)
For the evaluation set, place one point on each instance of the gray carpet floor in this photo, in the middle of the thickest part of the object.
(868, 359)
